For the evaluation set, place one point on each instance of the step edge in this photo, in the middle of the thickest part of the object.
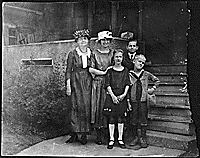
(171, 136)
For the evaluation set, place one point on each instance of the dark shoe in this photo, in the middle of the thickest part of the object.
(83, 139)
(72, 139)
(121, 144)
(134, 142)
(99, 142)
(143, 143)
(110, 144)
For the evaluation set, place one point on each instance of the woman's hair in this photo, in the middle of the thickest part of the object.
(81, 33)
(116, 51)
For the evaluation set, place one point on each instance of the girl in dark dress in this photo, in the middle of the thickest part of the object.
(78, 86)
(117, 84)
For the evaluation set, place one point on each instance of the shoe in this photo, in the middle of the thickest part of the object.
(73, 138)
(83, 139)
(121, 144)
(143, 143)
(98, 142)
(110, 144)
(134, 142)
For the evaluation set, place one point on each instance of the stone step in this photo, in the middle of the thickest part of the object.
(172, 141)
(168, 87)
(170, 112)
(172, 98)
(165, 68)
(172, 127)
(171, 77)
(180, 119)
(170, 106)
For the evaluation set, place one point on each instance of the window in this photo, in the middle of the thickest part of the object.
(38, 61)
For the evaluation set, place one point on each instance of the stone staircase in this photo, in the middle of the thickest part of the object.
(170, 124)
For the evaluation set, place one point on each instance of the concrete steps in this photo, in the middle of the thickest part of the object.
(170, 123)
(171, 140)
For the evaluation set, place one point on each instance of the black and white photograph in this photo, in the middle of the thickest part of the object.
(100, 78)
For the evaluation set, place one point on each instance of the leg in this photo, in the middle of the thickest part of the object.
(143, 140)
(99, 136)
(134, 131)
(120, 133)
(83, 139)
(111, 132)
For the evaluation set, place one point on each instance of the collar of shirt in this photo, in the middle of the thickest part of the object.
(131, 55)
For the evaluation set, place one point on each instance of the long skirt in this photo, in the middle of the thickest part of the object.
(81, 101)
(98, 99)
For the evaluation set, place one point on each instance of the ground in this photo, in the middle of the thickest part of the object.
(14, 142)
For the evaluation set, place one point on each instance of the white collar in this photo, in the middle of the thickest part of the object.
(88, 53)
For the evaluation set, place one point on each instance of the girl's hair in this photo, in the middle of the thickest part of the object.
(114, 52)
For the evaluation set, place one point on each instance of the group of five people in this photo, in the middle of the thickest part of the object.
(105, 84)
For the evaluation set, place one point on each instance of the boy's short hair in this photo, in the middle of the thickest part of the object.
(140, 56)
(132, 40)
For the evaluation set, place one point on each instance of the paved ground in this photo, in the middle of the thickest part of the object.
(57, 147)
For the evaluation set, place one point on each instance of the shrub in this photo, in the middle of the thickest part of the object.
(35, 102)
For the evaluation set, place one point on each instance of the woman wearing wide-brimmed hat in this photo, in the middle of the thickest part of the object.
(101, 62)
(78, 86)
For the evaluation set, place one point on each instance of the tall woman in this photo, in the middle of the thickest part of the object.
(101, 62)
(78, 85)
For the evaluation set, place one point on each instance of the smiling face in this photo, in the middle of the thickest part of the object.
(105, 42)
(118, 57)
(132, 46)
(82, 41)
(139, 63)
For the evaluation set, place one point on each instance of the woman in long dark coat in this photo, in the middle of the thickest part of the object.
(78, 85)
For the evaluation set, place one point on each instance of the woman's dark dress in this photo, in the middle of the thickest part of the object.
(118, 80)
(81, 81)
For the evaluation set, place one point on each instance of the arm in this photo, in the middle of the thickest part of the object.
(114, 98)
(98, 72)
(68, 73)
(156, 82)
(121, 97)
(93, 70)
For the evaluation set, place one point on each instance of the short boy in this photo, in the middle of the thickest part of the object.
(138, 99)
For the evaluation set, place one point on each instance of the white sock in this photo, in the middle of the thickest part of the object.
(111, 131)
(120, 130)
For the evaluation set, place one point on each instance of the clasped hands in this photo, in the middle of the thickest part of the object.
(117, 99)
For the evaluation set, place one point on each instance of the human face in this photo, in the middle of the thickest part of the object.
(139, 64)
(105, 42)
(118, 58)
(82, 41)
(132, 46)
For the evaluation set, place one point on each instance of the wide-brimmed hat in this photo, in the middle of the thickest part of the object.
(104, 34)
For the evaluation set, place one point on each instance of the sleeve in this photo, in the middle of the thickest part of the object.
(93, 60)
(108, 79)
(127, 78)
(69, 66)
(153, 78)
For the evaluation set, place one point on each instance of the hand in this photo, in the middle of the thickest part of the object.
(129, 106)
(109, 67)
(115, 100)
(151, 90)
(121, 97)
(68, 91)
